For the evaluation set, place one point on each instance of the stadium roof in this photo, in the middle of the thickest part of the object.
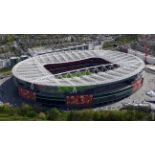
(33, 71)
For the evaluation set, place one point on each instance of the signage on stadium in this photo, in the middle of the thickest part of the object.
(136, 85)
(26, 94)
(79, 99)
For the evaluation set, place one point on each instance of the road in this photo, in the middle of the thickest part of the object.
(8, 92)
(137, 97)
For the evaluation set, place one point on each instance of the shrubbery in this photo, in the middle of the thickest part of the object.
(27, 112)
(122, 115)
(54, 114)
(42, 116)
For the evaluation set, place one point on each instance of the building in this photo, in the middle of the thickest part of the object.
(44, 50)
(79, 78)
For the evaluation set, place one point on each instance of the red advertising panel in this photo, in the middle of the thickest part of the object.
(136, 85)
(79, 99)
(27, 94)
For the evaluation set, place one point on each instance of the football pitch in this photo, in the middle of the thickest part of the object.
(76, 74)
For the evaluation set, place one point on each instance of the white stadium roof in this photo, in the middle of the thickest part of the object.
(33, 71)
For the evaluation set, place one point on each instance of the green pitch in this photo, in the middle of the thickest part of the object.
(76, 74)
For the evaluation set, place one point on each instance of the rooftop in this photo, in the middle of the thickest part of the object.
(32, 70)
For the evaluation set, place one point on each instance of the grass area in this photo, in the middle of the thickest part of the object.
(6, 71)
(8, 117)
(77, 74)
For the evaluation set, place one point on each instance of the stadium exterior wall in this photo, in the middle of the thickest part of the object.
(93, 95)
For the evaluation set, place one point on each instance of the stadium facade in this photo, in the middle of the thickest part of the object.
(78, 78)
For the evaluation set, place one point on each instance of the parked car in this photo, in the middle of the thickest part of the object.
(151, 93)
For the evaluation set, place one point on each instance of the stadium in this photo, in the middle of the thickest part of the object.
(80, 78)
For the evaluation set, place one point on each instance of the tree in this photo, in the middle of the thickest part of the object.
(97, 116)
(42, 116)
(54, 114)
(26, 110)
(85, 115)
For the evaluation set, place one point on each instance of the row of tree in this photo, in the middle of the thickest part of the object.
(27, 112)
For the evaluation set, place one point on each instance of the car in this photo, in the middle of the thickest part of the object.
(150, 93)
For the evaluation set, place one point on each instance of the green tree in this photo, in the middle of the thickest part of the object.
(54, 114)
(42, 116)
(26, 110)
(84, 115)
(97, 116)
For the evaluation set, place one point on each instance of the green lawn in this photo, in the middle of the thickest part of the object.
(6, 71)
(77, 74)
(8, 117)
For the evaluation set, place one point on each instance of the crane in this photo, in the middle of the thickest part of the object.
(145, 46)
(146, 51)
